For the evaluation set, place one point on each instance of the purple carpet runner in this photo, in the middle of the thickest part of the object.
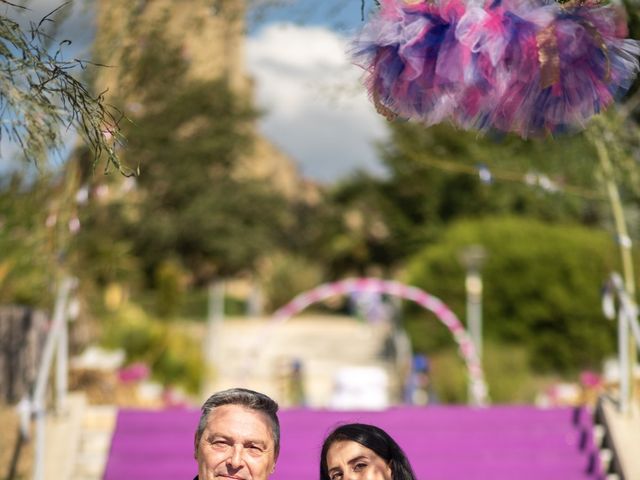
(442, 443)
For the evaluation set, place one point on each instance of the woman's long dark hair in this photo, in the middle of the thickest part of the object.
(374, 439)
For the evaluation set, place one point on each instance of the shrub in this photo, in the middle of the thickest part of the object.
(285, 276)
(174, 357)
(508, 375)
(541, 289)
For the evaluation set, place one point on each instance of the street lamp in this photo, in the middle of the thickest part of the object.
(472, 258)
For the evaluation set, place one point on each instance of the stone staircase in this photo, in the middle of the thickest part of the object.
(444, 442)
(255, 354)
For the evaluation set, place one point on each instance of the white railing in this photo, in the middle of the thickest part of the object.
(56, 344)
(627, 323)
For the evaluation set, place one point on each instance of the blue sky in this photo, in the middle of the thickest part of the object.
(316, 110)
(337, 15)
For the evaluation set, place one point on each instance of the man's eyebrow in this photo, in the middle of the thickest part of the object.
(222, 436)
(256, 442)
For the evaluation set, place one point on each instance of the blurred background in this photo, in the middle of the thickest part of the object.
(254, 169)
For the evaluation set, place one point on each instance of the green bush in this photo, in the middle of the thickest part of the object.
(173, 356)
(286, 276)
(507, 371)
(180, 363)
(448, 377)
(508, 374)
(131, 329)
(170, 286)
(541, 289)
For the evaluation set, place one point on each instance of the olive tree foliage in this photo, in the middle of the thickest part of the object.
(41, 95)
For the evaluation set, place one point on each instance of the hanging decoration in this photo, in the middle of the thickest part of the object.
(532, 67)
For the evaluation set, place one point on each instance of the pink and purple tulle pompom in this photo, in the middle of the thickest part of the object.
(532, 67)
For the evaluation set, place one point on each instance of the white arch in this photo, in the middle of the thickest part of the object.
(478, 390)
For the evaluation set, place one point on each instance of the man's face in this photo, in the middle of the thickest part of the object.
(236, 444)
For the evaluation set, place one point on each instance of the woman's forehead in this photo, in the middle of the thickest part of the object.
(347, 450)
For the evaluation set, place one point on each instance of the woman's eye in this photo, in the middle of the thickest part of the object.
(336, 476)
(359, 467)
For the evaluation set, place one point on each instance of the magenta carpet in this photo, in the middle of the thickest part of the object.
(443, 443)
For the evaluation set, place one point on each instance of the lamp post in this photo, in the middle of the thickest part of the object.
(472, 258)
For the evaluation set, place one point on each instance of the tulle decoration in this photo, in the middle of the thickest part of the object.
(406, 50)
(531, 67)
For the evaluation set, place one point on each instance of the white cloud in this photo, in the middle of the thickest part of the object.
(316, 108)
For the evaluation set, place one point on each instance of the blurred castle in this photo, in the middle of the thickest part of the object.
(211, 36)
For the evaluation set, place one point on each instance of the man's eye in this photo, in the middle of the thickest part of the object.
(220, 444)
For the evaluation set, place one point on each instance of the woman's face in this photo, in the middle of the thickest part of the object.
(349, 460)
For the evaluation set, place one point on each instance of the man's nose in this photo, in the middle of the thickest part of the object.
(235, 458)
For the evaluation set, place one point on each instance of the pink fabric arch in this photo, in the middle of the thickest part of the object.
(478, 390)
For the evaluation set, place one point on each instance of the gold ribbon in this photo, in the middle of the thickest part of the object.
(382, 109)
(549, 56)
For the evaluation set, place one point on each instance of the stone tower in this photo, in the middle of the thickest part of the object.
(209, 32)
(211, 36)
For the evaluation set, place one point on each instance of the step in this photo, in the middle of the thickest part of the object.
(95, 442)
(62, 437)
